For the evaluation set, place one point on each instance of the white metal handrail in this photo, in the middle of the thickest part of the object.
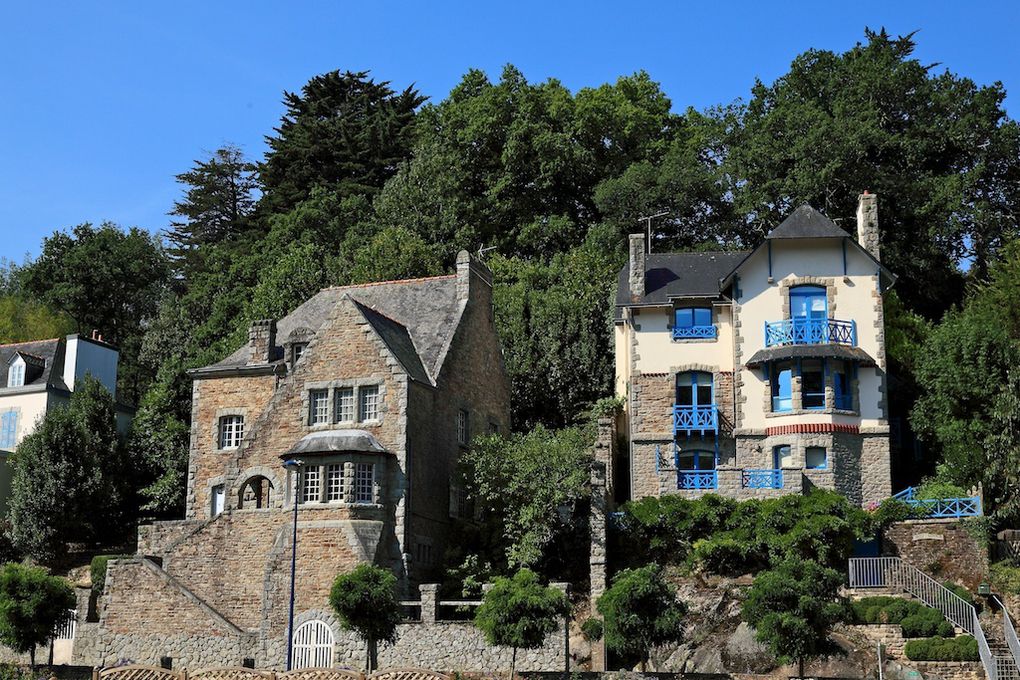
(1011, 639)
(892, 572)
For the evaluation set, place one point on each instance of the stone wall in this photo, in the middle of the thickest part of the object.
(949, 670)
(156, 538)
(891, 637)
(941, 548)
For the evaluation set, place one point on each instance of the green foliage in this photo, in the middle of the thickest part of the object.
(519, 612)
(934, 489)
(365, 601)
(640, 611)
(24, 319)
(526, 486)
(961, 592)
(724, 536)
(916, 619)
(344, 133)
(70, 477)
(962, 648)
(97, 571)
(31, 605)
(1005, 577)
(894, 510)
(793, 608)
(592, 629)
(607, 406)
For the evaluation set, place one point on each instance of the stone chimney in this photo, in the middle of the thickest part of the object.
(261, 340)
(637, 267)
(469, 267)
(867, 223)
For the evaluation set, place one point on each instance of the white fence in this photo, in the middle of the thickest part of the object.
(66, 628)
(892, 572)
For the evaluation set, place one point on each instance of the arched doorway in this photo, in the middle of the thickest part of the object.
(313, 645)
(256, 492)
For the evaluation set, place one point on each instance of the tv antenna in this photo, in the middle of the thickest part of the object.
(648, 223)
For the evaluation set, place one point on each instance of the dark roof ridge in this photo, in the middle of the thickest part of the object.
(420, 279)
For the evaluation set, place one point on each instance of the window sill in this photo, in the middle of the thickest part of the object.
(811, 412)
(693, 341)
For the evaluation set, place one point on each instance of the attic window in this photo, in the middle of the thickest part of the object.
(16, 374)
(297, 350)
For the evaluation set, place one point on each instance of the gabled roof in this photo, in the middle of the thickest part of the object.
(673, 275)
(45, 356)
(806, 222)
(415, 317)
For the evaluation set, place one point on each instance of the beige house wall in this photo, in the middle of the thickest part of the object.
(853, 297)
(657, 351)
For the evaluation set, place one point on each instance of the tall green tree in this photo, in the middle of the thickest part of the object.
(32, 603)
(793, 608)
(343, 132)
(217, 205)
(365, 599)
(70, 477)
(640, 611)
(103, 278)
(520, 612)
(23, 319)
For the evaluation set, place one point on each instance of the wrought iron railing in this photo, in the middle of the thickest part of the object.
(892, 572)
(695, 419)
(810, 332)
(968, 506)
(697, 479)
(688, 332)
(762, 479)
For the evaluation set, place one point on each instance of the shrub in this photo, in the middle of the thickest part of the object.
(1005, 577)
(934, 489)
(592, 629)
(31, 603)
(365, 600)
(97, 570)
(917, 620)
(641, 610)
(963, 648)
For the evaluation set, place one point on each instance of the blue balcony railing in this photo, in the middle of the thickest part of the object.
(969, 506)
(810, 332)
(697, 479)
(762, 479)
(688, 332)
(690, 419)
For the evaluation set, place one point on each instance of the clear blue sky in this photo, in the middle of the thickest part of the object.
(102, 105)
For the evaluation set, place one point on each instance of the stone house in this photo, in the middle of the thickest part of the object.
(756, 373)
(375, 389)
(38, 376)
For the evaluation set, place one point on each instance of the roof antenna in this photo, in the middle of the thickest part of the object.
(482, 250)
(648, 222)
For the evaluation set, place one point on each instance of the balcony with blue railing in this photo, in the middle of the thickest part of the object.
(937, 508)
(803, 331)
(700, 419)
(697, 480)
(695, 332)
(762, 479)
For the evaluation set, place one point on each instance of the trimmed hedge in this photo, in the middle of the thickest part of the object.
(963, 648)
(916, 620)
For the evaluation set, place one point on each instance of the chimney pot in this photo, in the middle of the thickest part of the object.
(637, 267)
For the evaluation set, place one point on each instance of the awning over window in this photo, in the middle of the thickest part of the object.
(826, 351)
(328, 441)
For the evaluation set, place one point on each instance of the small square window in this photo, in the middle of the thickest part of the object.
(364, 483)
(345, 405)
(334, 483)
(816, 458)
(310, 485)
(462, 427)
(231, 431)
(782, 457)
(318, 407)
(368, 405)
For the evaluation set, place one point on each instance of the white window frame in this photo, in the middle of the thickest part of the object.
(318, 411)
(311, 485)
(335, 483)
(16, 373)
(364, 484)
(217, 499)
(368, 403)
(346, 404)
(231, 431)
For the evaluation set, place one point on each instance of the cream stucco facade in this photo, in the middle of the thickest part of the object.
(730, 410)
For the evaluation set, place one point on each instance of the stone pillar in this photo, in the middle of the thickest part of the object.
(429, 595)
(565, 588)
(637, 267)
(867, 223)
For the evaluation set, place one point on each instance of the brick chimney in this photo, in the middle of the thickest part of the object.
(637, 267)
(470, 273)
(261, 339)
(867, 223)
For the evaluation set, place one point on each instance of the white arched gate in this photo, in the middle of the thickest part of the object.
(313, 645)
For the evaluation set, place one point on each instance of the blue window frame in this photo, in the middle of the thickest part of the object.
(808, 302)
(696, 460)
(812, 384)
(693, 322)
(694, 388)
(841, 381)
(8, 429)
(782, 386)
(816, 458)
(782, 456)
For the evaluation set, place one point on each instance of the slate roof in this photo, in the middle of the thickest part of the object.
(806, 222)
(416, 318)
(826, 351)
(336, 440)
(45, 357)
(671, 275)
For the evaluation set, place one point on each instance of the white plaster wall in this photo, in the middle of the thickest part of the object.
(762, 301)
(658, 352)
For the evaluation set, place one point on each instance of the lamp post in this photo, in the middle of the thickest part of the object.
(295, 465)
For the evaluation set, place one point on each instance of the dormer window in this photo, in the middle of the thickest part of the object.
(693, 322)
(296, 350)
(16, 373)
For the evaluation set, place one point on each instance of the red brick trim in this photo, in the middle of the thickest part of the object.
(812, 428)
